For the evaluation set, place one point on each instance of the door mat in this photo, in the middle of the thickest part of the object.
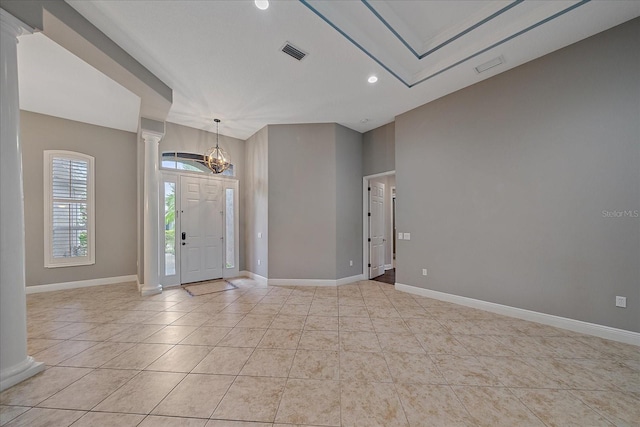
(204, 288)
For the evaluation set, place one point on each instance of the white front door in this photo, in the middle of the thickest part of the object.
(201, 229)
(376, 229)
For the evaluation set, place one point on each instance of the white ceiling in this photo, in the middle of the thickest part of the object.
(222, 58)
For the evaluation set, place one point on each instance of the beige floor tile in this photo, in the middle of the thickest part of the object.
(138, 357)
(622, 409)
(442, 344)
(251, 399)
(39, 417)
(371, 404)
(280, 338)
(392, 325)
(310, 402)
(238, 308)
(142, 393)
(197, 395)
(206, 335)
(353, 301)
(192, 319)
(136, 333)
(319, 340)
(160, 421)
(295, 309)
(265, 308)
(353, 310)
(363, 366)
(413, 368)
(69, 331)
(425, 326)
(436, 405)
(266, 362)
(164, 318)
(124, 316)
(573, 374)
(400, 343)
(108, 419)
(383, 312)
(181, 358)
(485, 345)
(225, 320)
(464, 370)
(59, 352)
(321, 323)
(285, 321)
(101, 332)
(355, 324)
(359, 341)
(7, 413)
(41, 386)
(559, 408)
(89, 390)
(226, 423)
(260, 321)
(97, 355)
(224, 361)
(323, 309)
(496, 406)
(318, 365)
(170, 334)
(242, 337)
(517, 372)
(35, 345)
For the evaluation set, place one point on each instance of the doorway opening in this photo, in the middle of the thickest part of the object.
(379, 227)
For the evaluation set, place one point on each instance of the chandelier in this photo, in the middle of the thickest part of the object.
(216, 158)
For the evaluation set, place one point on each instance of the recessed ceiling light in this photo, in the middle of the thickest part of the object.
(364, 120)
(372, 79)
(262, 4)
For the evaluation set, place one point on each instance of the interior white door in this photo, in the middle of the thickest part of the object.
(201, 229)
(376, 229)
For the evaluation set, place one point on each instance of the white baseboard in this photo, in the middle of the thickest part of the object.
(80, 284)
(316, 282)
(594, 329)
(388, 267)
(262, 281)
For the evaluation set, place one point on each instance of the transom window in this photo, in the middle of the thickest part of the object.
(69, 220)
(189, 162)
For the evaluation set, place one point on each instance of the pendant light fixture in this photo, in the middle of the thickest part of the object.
(216, 158)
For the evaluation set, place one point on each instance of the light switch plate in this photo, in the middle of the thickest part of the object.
(407, 236)
(259, 235)
(400, 236)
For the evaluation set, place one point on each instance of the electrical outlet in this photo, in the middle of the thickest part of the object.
(259, 235)
(621, 302)
(258, 262)
(400, 236)
(424, 271)
(350, 263)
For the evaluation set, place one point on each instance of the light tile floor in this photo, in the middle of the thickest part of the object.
(359, 355)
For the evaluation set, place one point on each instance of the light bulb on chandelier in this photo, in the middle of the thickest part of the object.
(216, 158)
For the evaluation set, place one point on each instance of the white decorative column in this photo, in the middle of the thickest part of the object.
(151, 213)
(15, 364)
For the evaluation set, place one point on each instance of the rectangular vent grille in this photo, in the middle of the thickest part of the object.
(293, 51)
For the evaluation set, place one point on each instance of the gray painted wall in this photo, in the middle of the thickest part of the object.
(115, 187)
(503, 185)
(256, 196)
(191, 140)
(378, 150)
(302, 201)
(348, 194)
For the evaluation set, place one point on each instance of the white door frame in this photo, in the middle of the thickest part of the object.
(226, 183)
(365, 219)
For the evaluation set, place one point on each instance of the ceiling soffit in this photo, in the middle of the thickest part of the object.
(415, 41)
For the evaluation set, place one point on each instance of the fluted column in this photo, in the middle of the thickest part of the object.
(15, 364)
(151, 214)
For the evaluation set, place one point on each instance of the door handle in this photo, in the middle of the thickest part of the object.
(184, 235)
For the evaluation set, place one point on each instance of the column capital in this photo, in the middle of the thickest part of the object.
(151, 130)
(12, 26)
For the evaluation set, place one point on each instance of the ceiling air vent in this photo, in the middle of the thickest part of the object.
(490, 64)
(293, 51)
